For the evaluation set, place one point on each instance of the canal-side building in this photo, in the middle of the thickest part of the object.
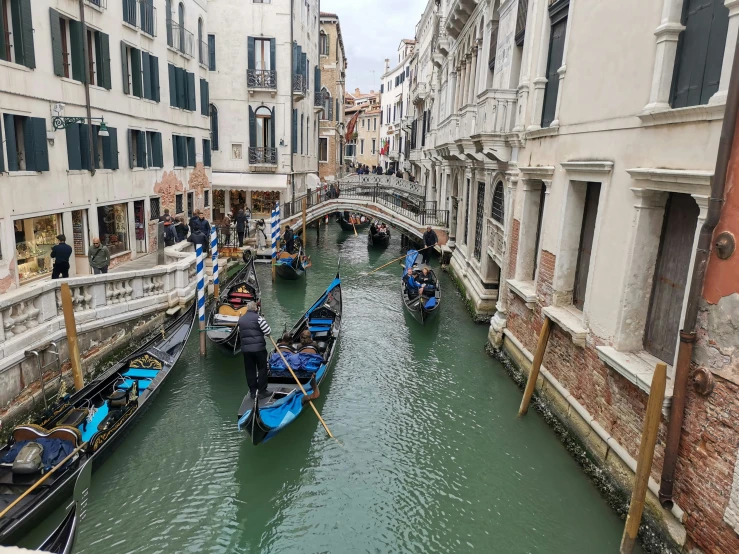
(141, 75)
(332, 91)
(265, 79)
(576, 191)
(364, 148)
(394, 99)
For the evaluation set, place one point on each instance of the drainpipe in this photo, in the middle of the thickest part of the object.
(292, 76)
(703, 250)
(86, 61)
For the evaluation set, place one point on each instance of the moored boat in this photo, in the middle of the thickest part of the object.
(349, 222)
(378, 234)
(86, 425)
(292, 266)
(422, 307)
(264, 418)
(222, 325)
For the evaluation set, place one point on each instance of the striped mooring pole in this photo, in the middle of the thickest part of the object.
(214, 249)
(201, 296)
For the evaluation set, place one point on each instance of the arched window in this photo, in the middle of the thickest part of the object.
(264, 127)
(201, 44)
(213, 127)
(323, 44)
(499, 203)
(181, 23)
(328, 105)
(168, 20)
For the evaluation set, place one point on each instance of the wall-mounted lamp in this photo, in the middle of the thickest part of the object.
(59, 122)
(282, 142)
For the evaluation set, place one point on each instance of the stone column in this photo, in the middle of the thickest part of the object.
(664, 60)
(467, 78)
(473, 79)
(540, 79)
(731, 37)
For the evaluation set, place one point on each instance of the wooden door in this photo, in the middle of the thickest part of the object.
(671, 276)
(586, 244)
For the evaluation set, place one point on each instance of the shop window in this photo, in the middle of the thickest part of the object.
(206, 199)
(140, 222)
(113, 227)
(154, 209)
(79, 226)
(178, 204)
(34, 239)
(263, 202)
(25, 143)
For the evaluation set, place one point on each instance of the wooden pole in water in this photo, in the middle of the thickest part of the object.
(305, 215)
(546, 329)
(71, 327)
(646, 456)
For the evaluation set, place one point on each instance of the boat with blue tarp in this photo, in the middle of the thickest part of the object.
(423, 307)
(292, 267)
(264, 418)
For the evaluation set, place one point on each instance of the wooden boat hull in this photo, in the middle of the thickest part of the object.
(379, 239)
(35, 508)
(415, 306)
(289, 272)
(347, 225)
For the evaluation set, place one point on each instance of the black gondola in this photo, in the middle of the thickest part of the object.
(378, 234)
(264, 418)
(345, 220)
(93, 420)
(222, 324)
(61, 540)
(291, 267)
(422, 307)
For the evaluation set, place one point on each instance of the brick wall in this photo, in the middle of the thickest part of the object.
(544, 289)
(513, 248)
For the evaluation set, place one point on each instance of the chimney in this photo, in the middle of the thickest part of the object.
(387, 65)
(372, 91)
(357, 92)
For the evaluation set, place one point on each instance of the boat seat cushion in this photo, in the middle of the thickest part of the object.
(227, 311)
(128, 383)
(74, 418)
(241, 295)
(321, 322)
(319, 328)
(141, 373)
(34, 432)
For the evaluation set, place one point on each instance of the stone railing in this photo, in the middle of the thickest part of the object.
(384, 181)
(467, 121)
(496, 241)
(496, 111)
(448, 130)
(32, 315)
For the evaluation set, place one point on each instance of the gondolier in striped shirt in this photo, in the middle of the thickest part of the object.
(253, 328)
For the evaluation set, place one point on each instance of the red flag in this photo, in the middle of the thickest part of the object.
(350, 127)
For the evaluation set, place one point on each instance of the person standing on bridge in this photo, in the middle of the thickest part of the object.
(253, 328)
(430, 240)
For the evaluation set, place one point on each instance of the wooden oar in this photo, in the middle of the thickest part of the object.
(391, 262)
(38, 483)
(301, 387)
(355, 228)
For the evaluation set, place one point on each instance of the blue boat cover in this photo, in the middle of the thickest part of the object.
(321, 301)
(55, 450)
(410, 259)
(92, 426)
(141, 373)
(431, 303)
(321, 322)
(128, 383)
(299, 362)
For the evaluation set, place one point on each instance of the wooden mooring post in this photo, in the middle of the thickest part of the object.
(546, 329)
(70, 325)
(646, 456)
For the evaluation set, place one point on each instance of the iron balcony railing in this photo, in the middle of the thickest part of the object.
(259, 155)
(180, 38)
(299, 84)
(318, 99)
(261, 78)
(148, 17)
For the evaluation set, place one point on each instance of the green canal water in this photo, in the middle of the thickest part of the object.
(432, 456)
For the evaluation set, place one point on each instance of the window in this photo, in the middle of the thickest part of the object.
(302, 123)
(211, 52)
(154, 208)
(180, 150)
(181, 24)
(493, 48)
(140, 73)
(498, 212)
(700, 52)
(67, 50)
(60, 41)
(523, 8)
(190, 204)
(539, 220)
(362, 123)
(468, 198)
(16, 35)
(262, 54)
(262, 135)
(328, 106)
(374, 146)
(479, 218)
(148, 17)
(129, 12)
(181, 88)
(202, 51)
(558, 16)
(145, 149)
(585, 249)
(178, 204)
(294, 137)
(374, 124)
(104, 149)
(214, 127)
(191, 158)
(206, 198)
(323, 44)
(25, 143)
(113, 227)
(204, 97)
(262, 1)
(322, 149)
(361, 147)
(206, 153)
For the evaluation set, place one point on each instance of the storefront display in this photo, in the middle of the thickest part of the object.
(219, 204)
(34, 239)
(263, 203)
(113, 228)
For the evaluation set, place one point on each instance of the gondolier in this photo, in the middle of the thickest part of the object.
(429, 240)
(253, 328)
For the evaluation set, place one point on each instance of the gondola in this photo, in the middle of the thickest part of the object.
(61, 540)
(376, 236)
(424, 308)
(91, 421)
(344, 220)
(222, 324)
(291, 267)
(264, 418)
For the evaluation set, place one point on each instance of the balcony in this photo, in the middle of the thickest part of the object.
(406, 123)
(262, 156)
(496, 116)
(459, 15)
(180, 39)
(300, 87)
(261, 79)
(496, 241)
(420, 93)
(318, 101)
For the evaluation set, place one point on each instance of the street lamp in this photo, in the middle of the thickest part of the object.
(59, 122)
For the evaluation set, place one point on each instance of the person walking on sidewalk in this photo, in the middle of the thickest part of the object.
(99, 257)
(61, 253)
(241, 224)
(253, 328)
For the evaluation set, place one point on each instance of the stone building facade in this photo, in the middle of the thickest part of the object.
(576, 191)
(365, 148)
(333, 79)
(394, 102)
(146, 67)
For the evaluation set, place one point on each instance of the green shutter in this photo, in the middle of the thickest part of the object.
(191, 104)
(272, 130)
(253, 128)
(95, 153)
(2, 161)
(141, 149)
(107, 150)
(204, 97)
(2, 39)
(295, 131)
(40, 146)
(211, 52)
(136, 72)
(181, 87)
(158, 155)
(251, 53)
(149, 135)
(78, 51)
(104, 65)
(23, 33)
(113, 140)
(10, 145)
(338, 112)
(124, 67)
(273, 54)
(175, 155)
(146, 70)
(172, 85)
(191, 159)
(206, 153)
(182, 151)
(85, 146)
(29, 143)
(154, 62)
(56, 42)
(130, 148)
(317, 79)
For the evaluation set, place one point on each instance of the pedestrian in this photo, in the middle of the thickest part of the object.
(253, 329)
(203, 224)
(61, 253)
(195, 221)
(165, 216)
(289, 237)
(247, 213)
(170, 237)
(99, 257)
(261, 235)
(241, 223)
(430, 240)
(226, 229)
(182, 229)
(197, 237)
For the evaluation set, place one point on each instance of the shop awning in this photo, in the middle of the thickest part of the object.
(250, 181)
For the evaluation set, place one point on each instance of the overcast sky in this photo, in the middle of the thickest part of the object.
(372, 31)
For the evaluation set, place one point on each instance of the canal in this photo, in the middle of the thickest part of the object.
(432, 456)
